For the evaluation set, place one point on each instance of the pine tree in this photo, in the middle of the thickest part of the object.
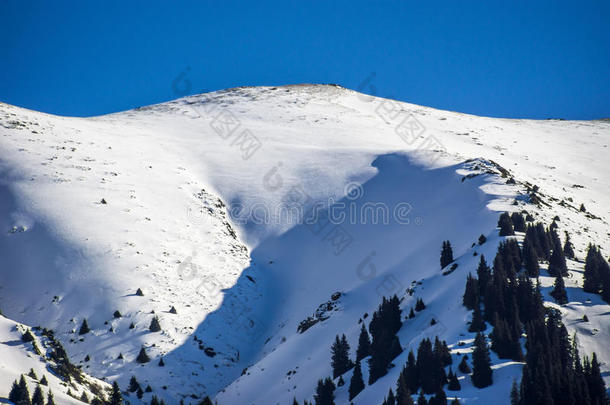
(439, 398)
(471, 292)
(568, 247)
(139, 292)
(38, 397)
(391, 399)
(559, 291)
(161, 362)
(419, 305)
(446, 254)
(139, 392)
(463, 366)
(515, 395)
(481, 373)
(483, 275)
(403, 393)
(117, 314)
(518, 222)
(482, 239)
(84, 328)
(506, 225)
(133, 384)
(557, 263)
(411, 314)
(32, 374)
(155, 326)
(597, 387)
(364, 344)
(454, 383)
(116, 398)
(357, 383)
(142, 356)
(325, 392)
(50, 398)
(24, 398)
(478, 323)
(43, 380)
(340, 361)
(84, 398)
(530, 259)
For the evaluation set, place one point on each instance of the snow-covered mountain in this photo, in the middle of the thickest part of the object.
(205, 205)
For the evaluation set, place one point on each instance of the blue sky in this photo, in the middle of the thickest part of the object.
(496, 58)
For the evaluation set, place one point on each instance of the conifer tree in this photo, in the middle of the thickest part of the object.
(410, 372)
(84, 398)
(557, 263)
(38, 397)
(481, 370)
(340, 361)
(364, 344)
(506, 225)
(483, 275)
(25, 393)
(142, 356)
(515, 395)
(597, 387)
(43, 380)
(325, 392)
(518, 222)
(446, 254)
(478, 323)
(391, 399)
(471, 292)
(133, 384)
(84, 328)
(50, 398)
(27, 336)
(117, 314)
(559, 291)
(116, 398)
(155, 325)
(419, 305)
(530, 259)
(356, 384)
(439, 398)
(403, 393)
(463, 366)
(454, 383)
(568, 247)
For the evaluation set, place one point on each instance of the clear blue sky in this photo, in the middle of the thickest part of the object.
(494, 58)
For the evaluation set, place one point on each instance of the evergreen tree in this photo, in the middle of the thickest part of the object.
(403, 393)
(161, 362)
(139, 393)
(530, 259)
(84, 328)
(133, 384)
(116, 398)
(478, 323)
(390, 400)
(38, 397)
(117, 314)
(597, 387)
(384, 346)
(463, 366)
(506, 225)
(483, 275)
(43, 380)
(84, 398)
(471, 292)
(364, 344)
(454, 383)
(481, 373)
(411, 314)
(482, 239)
(557, 263)
(142, 356)
(568, 247)
(24, 397)
(155, 325)
(325, 392)
(439, 398)
(356, 384)
(518, 222)
(446, 254)
(410, 372)
(559, 291)
(50, 398)
(515, 395)
(419, 305)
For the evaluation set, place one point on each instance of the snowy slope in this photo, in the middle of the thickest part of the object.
(243, 276)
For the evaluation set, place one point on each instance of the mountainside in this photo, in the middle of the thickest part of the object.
(239, 214)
